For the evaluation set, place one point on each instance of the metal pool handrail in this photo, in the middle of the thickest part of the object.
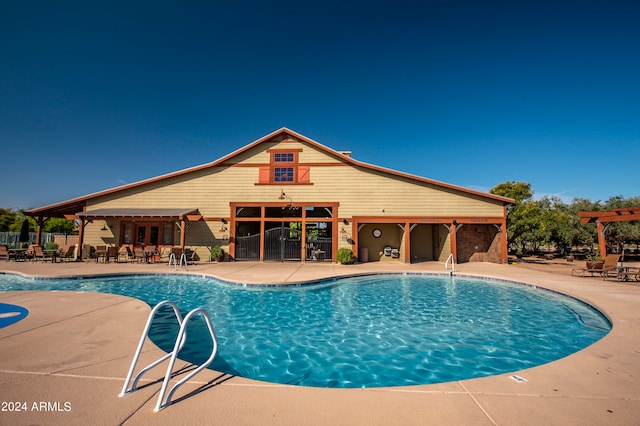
(180, 340)
(453, 263)
(183, 261)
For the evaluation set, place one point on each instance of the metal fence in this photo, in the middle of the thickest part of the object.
(12, 239)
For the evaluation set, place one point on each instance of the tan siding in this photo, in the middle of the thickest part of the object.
(359, 191)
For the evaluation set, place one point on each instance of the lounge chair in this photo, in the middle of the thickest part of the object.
(68, 252)
(610, 265)
(38, 253)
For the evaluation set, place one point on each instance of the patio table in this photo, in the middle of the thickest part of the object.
(150, 255)
(18, 255)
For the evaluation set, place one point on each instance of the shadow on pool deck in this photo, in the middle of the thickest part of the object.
(65, 363)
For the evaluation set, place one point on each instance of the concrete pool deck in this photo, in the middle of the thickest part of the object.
(65, 363)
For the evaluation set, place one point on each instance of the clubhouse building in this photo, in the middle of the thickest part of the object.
(286, 197)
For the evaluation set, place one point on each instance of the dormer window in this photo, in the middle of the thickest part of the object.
(283, 157)
(284, 168)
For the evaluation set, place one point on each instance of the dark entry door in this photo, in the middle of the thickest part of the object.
(147, 234)
(282, 243)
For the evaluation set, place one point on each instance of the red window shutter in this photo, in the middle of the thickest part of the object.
(263, 174)
(303, 174)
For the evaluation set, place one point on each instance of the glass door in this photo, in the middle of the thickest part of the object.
(147, 234)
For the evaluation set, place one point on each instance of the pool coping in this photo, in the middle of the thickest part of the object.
(594, 386)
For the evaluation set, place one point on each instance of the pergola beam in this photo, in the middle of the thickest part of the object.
(615, 215)
(626, 214)
(627, 217)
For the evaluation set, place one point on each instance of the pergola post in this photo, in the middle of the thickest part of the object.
(80, 237)
(504, 243)
(40, 220)
(453, 240)
(183, 229)
(602, 241)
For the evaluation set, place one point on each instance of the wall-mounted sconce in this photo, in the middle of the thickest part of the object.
(105, 225)
(223, 220)
(345, 221)
(284, 196)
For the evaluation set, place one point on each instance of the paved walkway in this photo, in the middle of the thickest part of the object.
(65, 362)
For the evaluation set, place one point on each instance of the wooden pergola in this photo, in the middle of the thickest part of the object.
(626, 214)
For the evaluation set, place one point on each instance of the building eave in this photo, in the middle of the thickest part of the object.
(78, 204)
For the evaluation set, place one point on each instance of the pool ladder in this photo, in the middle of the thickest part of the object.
(180, 340)
(453, 263)
(183, 261)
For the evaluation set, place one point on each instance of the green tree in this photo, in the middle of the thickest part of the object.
(59, 226)
(7, 218)
(563, 225)
(524, 226)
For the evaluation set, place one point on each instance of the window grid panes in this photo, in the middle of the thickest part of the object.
(283, 157)
(283, 174)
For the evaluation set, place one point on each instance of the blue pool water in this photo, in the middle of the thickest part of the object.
(371, 331)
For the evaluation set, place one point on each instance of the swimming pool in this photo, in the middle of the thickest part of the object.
(369, 331)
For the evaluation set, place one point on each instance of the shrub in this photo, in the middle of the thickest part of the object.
(594, 258)
(50, 245)
(217, 253)
(345, 256)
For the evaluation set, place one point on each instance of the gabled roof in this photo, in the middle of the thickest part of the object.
(76, 205)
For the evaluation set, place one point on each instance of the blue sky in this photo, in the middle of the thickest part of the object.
(94, 95)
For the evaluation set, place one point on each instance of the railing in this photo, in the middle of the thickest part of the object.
(12, 239)
(453, 263)
(174, 261)
(172, 356)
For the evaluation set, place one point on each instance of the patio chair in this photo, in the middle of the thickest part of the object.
(138, 254)
(112, 253)
(101, 252)
(125, 251)
(29, 253)
(165, 253)
(191, 256)
(610, 265)
(4, 253)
